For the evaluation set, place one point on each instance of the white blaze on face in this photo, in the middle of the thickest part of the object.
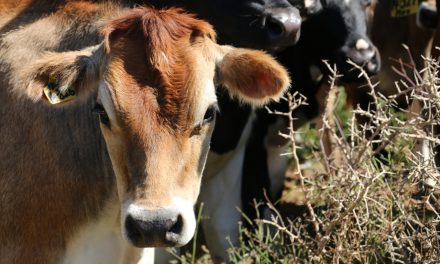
(362, 44)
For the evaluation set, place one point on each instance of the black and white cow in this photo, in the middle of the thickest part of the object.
(335, 31)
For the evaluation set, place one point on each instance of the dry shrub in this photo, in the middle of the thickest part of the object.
(372, 194)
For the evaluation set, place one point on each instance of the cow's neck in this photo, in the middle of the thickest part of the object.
(68, 180)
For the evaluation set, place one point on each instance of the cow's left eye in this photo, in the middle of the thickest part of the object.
(103, 117)
(207, 118)
(210, 114)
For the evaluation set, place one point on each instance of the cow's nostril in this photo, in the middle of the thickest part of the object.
(360, 57)
(134, 231)
(372, 67)
(174, 232)
(275, 26)
(282, 26)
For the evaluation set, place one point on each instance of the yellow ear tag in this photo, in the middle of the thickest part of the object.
(401, 8)
(53, 92)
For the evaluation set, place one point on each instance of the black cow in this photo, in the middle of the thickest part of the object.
(260, 24)
(335, 31)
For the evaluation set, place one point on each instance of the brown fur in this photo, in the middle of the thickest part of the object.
(252, 77)
(37, 168)
(404, 31)
(56, 174)
(47, 174)
(163, 40)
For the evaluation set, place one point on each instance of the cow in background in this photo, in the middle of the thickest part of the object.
(260, 24)
(76, 178)
(394, 25)
(336, 30)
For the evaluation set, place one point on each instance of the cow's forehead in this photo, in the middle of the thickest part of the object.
(174, 96)
(152, 67)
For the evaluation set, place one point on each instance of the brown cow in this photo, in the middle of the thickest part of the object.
(71, 186)
(395, 24)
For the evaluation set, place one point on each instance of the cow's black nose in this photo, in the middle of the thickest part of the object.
(157, 230)
(363, 53)
(283, 26)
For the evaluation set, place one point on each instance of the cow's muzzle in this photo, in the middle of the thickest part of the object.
(163, 227)
(365, 54)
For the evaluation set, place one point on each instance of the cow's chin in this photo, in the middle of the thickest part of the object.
(170, 226)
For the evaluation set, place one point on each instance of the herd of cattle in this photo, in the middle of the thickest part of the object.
(111, 112)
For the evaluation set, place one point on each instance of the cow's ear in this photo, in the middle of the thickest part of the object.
(59, 77)
(251, 75)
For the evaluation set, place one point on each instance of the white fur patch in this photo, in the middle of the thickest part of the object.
(99, 241)
(147, 256)
(221, 195)
(362, 44)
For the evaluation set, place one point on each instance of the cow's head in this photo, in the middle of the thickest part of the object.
(155, 76)
(339, 32)
(261, 24)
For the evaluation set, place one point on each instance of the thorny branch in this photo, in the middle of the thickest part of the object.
(379, 200)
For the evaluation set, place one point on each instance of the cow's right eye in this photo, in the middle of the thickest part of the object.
(103, 117)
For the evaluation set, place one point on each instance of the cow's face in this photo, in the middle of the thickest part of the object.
(157, 105)
(358, 46)
(261, 24)
(341, 25)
